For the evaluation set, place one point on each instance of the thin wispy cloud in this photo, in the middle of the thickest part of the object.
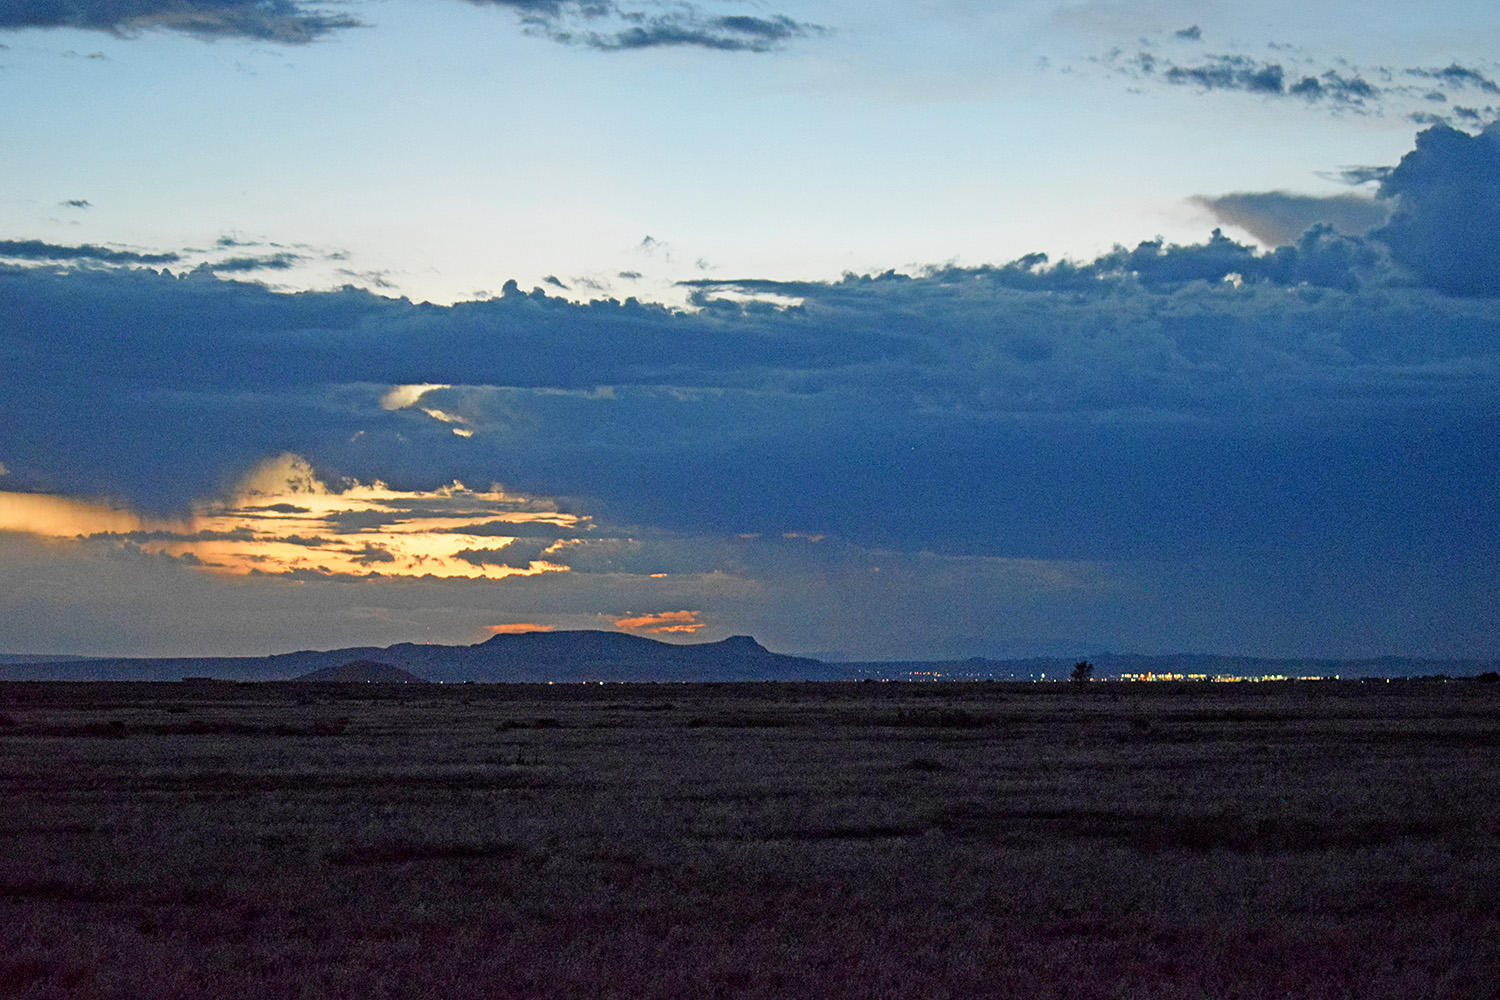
(1425, 95)
(597, 24)
(662, 623)
(285, 21)
(1278, 218)
(607, 26)
(40, 250)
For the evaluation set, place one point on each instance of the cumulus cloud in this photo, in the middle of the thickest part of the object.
(1206, 401)
(1024, 443)
(1276, 218)
(1446, 223)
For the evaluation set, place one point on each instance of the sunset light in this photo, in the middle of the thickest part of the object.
(285, 521)
(663, 623)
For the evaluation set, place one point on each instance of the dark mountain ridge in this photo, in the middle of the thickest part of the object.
(577, 656)
(526, 657)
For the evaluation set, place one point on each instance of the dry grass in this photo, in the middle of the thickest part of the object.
(1287, 841)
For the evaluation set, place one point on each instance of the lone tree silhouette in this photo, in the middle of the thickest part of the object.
(1083, 671)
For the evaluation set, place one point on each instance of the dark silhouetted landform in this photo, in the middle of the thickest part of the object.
(361, 672)
(529, 657)
(581, 656)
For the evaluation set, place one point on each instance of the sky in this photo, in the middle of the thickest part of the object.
(874, 331)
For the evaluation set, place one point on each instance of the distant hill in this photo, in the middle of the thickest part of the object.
(529, 657)
(361, 672)
(535, 657)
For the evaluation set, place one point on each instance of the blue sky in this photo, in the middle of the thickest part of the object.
(871, 330)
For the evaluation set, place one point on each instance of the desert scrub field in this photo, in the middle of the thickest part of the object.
(1314, 840)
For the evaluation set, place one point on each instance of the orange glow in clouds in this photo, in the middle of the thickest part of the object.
(60, 517)
(665, 622)
(517, 628)
(283, 520)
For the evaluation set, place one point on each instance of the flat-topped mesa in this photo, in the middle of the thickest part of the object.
(362, 671)
(739, 644)
(600, 642)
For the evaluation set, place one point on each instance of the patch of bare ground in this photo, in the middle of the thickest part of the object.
(1271, 841)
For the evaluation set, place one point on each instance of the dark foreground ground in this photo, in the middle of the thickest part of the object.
(869, 840)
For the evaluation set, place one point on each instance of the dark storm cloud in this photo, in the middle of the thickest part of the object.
(1446, 223)
(288, 21)
(516, 555)
(37, 250)
(1335, 395)
(1276, 218)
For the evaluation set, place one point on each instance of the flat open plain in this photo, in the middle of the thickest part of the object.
(1297, 840)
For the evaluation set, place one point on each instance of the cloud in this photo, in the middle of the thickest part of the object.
(1455, 75)
(519, 554)
(1192, 33)
(517, 628)
(75, 203)
(597, 24)
(38, 250)
(1237, 72)
(1445, 226)
(285, 21)
(1335, 85)
(1355, 176)
(1277, 218)
(608, 26)
(1324, 409)
(662, 623)
(349, 531)
(268, 262)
